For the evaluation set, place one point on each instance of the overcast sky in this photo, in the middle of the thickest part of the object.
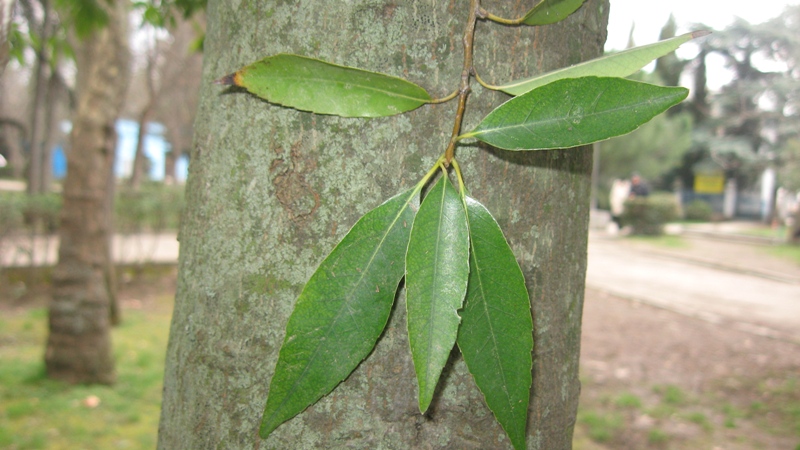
(651, 15)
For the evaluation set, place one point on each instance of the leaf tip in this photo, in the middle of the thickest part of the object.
(700, 33)
(232, 79)
(423, 406)
(266, 429)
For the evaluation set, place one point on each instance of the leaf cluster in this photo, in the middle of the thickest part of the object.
(463, 284)
(165, 13)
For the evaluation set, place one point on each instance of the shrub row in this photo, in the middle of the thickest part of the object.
(32, 213)
(153, 208)
(647, 215)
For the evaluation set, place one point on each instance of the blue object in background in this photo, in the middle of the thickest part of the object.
(155, 150)
(59, 160)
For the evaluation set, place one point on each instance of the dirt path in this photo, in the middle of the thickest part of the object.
(653, 378)
(729, 283)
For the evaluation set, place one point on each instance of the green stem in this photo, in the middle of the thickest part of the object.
(439, 164)
(449, 97)
(466, 71)
(487, 15)
(497, 19)
(484, 83)
(461, 188)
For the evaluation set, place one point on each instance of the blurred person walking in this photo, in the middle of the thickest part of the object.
(638, 187)
(620, 191)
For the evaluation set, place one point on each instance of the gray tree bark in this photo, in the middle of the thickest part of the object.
(272, 190)
(79, 342)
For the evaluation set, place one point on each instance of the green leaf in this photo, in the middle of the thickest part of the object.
(574, 111)
(86, 16)
(312, 85)
(342, 310)
(437, 268)
(551, 11)
(619, 64)
(496, 334)
(154, 16)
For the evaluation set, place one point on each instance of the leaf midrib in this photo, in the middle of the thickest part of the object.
(435, 275)
(525, 125)
(587, 68)
(295, 79)
(491, 327)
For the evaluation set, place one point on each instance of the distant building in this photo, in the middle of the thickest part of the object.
(726, 198)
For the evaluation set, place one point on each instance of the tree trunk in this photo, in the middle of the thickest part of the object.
(137, 171)
(55, 98)
(271, 190)
(6, 13)
(40, 97)
(79, 344)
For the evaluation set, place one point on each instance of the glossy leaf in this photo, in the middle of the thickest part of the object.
(619, 64)
(574, 111)
(312, 85)
(437, 268)
(496, 334)
(551, 11)
(342, 310)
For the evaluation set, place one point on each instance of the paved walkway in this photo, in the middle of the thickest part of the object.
(723, 282)
(127, 249)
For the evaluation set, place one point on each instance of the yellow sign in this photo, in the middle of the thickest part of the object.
(709, 183)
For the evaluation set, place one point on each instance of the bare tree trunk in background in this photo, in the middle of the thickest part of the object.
(56, 92)
(137, 172)
(139, 157)
(110, 271)
(79, 342)
(172, 82)
(180, 83)
(271, 190)
(14, 133)
(38, 109)
(6, 12)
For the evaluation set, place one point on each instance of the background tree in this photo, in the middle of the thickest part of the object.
(13, 122)
(40, 33)
(271, 190)
(183, 72)
(656, 147)
(165, 88)
(78, 344)
(6, 12)
(652, 150)
(744, 126)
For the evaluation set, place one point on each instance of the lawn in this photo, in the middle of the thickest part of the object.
(37, 413)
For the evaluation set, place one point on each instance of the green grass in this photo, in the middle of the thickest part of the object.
(601, 426)
(700, 419)
(628, 400)
(664, 240)
(731, 414)
(38, 413)
(786, 251)
(766, 231)
(672, 395)
(657, 436)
